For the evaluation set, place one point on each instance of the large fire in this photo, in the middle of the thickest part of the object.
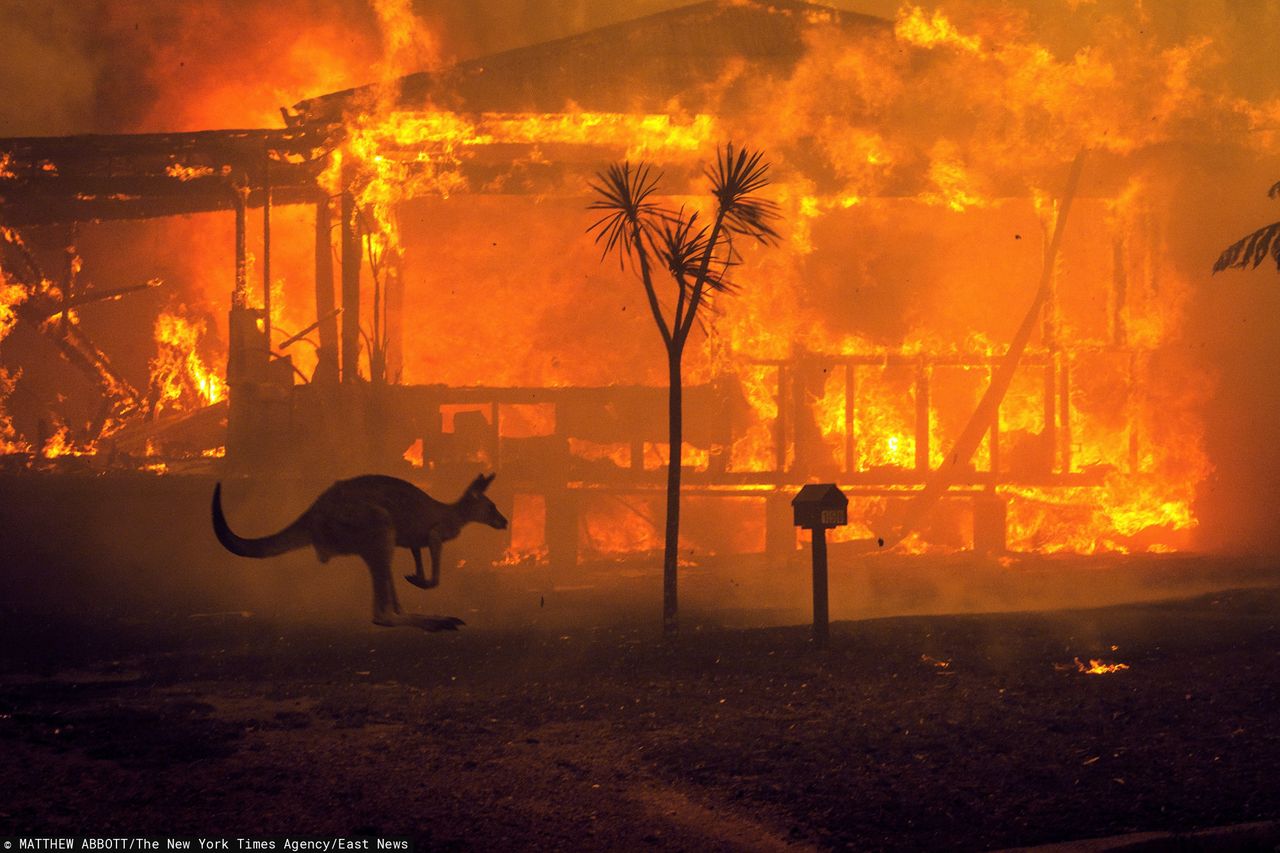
(861, 349)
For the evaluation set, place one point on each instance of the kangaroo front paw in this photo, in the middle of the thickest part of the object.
(420, 583)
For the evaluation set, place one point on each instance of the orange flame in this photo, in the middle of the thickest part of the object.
(61, 444)
(1100, 667)
(914, 26)
(180, 378)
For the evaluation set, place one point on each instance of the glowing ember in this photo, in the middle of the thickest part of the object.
(187, 173)
(943, 666)
(1099, 667)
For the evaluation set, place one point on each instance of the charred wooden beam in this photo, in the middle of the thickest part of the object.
(41, 307)
(922, 417)
(350, 290)
(299, 335)
(82, 178)
(120, 398)
(240, 294)
(1064, 413)
(850, 418)
(326, 310)
(266, 248)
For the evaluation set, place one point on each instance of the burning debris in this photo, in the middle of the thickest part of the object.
(1100, 667)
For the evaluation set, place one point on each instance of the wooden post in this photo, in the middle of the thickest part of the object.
(240, 296)
(922, 418)
(394, 311)
(266, 249)
(850, 417)
(350, 291)
(1064, 413)
(816, 507)
(780, 423)
(821, 625)
(994, 440)
(327, 370)
(1050, 436)
(562, 527)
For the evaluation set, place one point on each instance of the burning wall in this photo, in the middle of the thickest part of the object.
(919, 164)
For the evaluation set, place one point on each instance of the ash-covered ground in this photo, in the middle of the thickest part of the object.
(587, 731)
(152, 683)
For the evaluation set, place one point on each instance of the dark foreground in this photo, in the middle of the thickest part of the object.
(602, 738)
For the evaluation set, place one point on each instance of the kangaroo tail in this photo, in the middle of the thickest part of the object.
(290, 539)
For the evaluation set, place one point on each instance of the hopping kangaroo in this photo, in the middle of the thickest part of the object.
(369, 516)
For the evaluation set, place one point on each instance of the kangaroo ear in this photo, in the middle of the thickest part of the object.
(482, 482)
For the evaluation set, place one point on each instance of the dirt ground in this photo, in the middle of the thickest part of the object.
(923, 732)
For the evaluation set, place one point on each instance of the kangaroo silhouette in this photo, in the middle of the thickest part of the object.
(369, 517)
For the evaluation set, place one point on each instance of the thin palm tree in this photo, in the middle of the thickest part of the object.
(697, 256)
(1252, 249)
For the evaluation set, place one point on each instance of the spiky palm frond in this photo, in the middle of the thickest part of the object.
(684, 245)
(1252, 249)
(624, 195)
(735, 179)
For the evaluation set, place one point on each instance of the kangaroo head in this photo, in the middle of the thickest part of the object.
(476, 507)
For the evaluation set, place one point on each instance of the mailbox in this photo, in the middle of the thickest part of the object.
(819, 506)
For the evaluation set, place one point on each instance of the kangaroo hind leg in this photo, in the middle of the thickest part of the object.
(386, 607)
(377, 555)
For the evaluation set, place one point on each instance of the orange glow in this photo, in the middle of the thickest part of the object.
(592, 451)
(413, 454)
(61, 444)
(180, 378)
(528, 531)
(615, 526)
(914, 26)
(1100, 667)
(657, 453)
(910, 249)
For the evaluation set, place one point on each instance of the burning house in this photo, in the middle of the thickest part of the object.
(399, 278)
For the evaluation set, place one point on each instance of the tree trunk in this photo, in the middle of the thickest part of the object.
(675, 416)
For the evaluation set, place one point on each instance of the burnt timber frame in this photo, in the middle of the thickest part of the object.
(48, 180)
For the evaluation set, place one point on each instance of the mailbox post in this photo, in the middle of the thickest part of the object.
(817, 507)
